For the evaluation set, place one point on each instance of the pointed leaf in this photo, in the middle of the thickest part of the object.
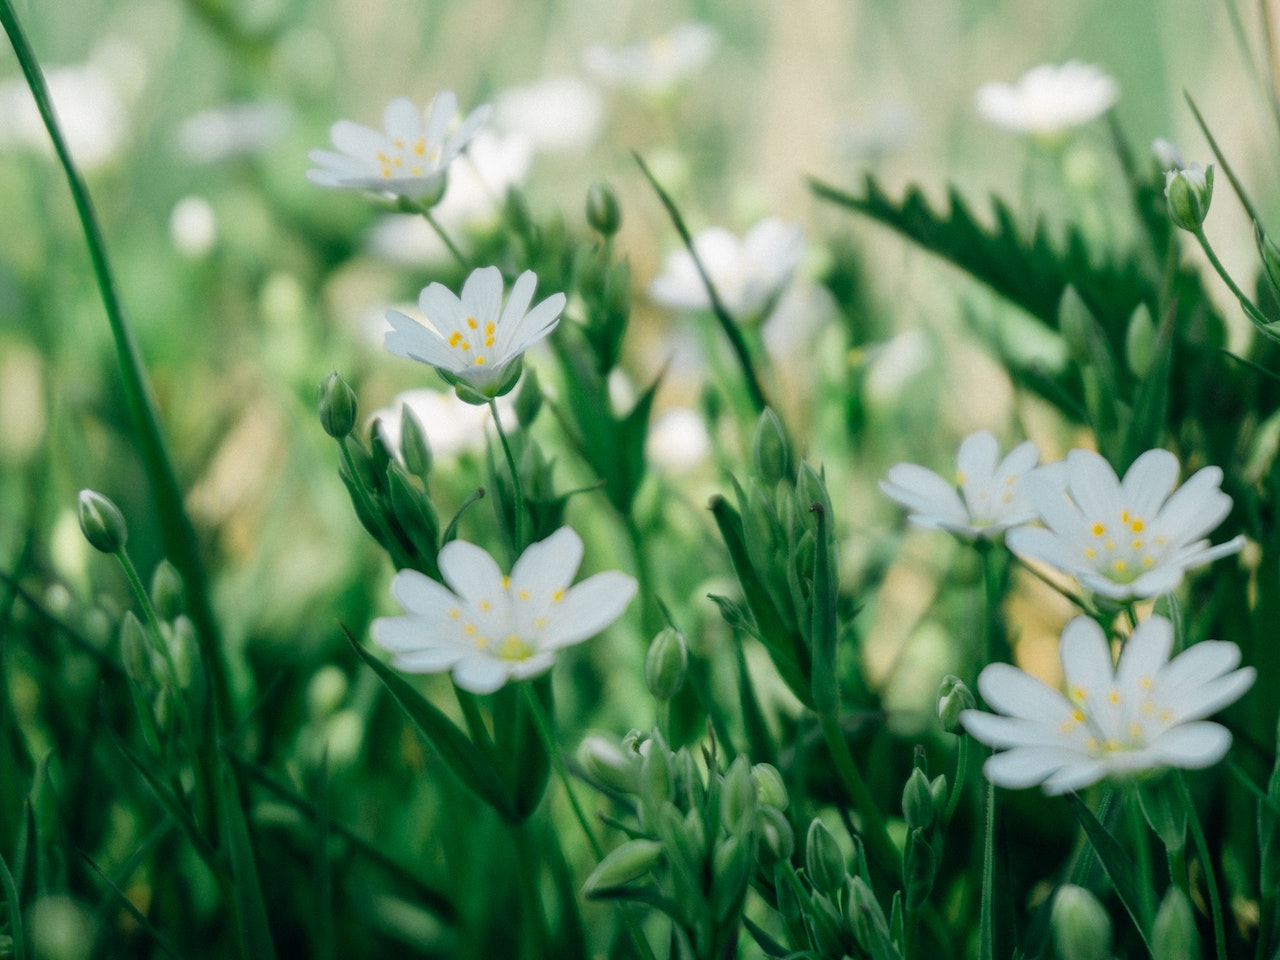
(1120, 869)
(250, 908)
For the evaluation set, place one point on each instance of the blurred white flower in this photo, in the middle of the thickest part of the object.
(556, 115)
(1130, 538)
(1048, 100)
(748, 273)
(450, 425)
(233, 130)
(1122, 719)
(407, 158)
(90, 109)
(193, 226)
(656, 66)
(678, 440)
(474, 341)
(986, 498)
(488, 628)
(1167, 154)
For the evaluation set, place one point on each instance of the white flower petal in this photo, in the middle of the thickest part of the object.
(471, 573)
(1086, 660)
(1015, 692)
(1075, 776)
(1024, 767)
(480, 674)
(1193, 745)
(589, 607)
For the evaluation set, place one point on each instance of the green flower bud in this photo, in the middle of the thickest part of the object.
(337, 406)
(180, 635)
(738, 796)
(528, 399)
(326, 690)
(59, 928)
(864, 916)
(413, 444)
(920, 866)
(166, 590)
(612, 766)
(516, 212)
(1173, 933)
(102, 523)
(770, 453)
(823, 859)
(665, 664)
(1140, 341)
(917, 801)
(771, 791)
(953, 699)
(135, 651)
(655, 775)
(620, 866)
(731, 867)
(1081, 925)
(1189, 193)
(777, 839)
(603, 212)
(938, 793)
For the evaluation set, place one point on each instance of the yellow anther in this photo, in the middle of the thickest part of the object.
(1148, 707)
(479, 361)
(513, 648)
(1114, 696)
(469, 629)
(482, 643)
(960, 477)
(1077, 694)
(416, 171)
(1119, 566)
(455, 613)
(1135, 730)
(485, 605)
(1148, 561)
(523, 594)
(420, 146)
(471, 322)
(466, 344)
(1090, 553)
(397, 161)
(557, 596)
(1166, 715)
(455, 338)
(540, 622)
(1098, 529)
(1146, 683)
(488, 329)
(1136, 525)
(506, 582)
(488, 341)
(1111, 746)
(386, 172)
(1092, 743)
(1007, 498)
(399, 144)
(1110, 544)
(1137, 545)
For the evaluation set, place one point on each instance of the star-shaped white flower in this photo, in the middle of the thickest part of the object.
(474, 341)
(488, 628)
(1048, 100)
(407, 158)
(747, 273)
(1135, 538)
(986, 499)
(656, 66)
(1115, 720)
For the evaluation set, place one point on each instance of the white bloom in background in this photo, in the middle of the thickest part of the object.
(449, 425)
(1130, 538)
(1140, 715)
(473, 340)
(1048, 100)
(656, 66)
(193, 226)
(489, 628)
(986, 497)
(678, 440)
(407, 157)
(90, 109)
(233, 130)
(556, 115)
(1167, 154)
(747, 274)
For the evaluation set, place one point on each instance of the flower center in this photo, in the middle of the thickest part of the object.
(1120, 551)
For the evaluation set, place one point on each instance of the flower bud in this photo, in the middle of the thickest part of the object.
(102, 523)
(180, 635)
(603, 212)
(938, 793)
(953, 699)
(770, 453)
(738, 796)
(823, 859)
(1173, 933)
(166, 590)
(326, 690)
(917, 801)
(777, 839)
(337, 406)
(863, 913)
(1081, 925)
(1140, 341)
(770, 789)
(609, 764)
(1189, 193)
(623, 864)
(413, 444)
(665, 664)
(135, 651)
(528, 399)
(655, 775)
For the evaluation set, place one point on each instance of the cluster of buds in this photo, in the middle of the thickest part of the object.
(701, 833)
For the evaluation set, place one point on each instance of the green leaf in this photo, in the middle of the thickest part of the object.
(138, 916)
(464, 758)
(1151, 405)
(824, 680)
(1119, 867)
(250, 909)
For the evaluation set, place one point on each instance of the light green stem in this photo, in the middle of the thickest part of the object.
(445, 238)
(876, 834)
(520, 542)
(987, 917)
(1210, 876)
(1246, 304)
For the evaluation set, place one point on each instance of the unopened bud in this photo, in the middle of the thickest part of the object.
(102, 523)
(777, 839)
(1081, 925)
(337, 406)
(180, 635)
(665, 664)
(771, 791)
(823, 859)
(917, 801)
(135, 651)
(413, 444)
(738, 796)
(620, 866)
(769, 450)
(602, 209)
(166, 590)
(954, 697)
(609, 764)
(1140, 341)
(1173, 933)
(1189, 193)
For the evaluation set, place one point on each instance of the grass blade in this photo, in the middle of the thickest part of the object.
(250, 908)
(1119, 867)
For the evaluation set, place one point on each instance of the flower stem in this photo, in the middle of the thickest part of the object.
(1246, 304)
(962, 773)
(520, 543)
(1211, 879)
(987, 918)
(994, 645)
(876, 835)
(445, 238)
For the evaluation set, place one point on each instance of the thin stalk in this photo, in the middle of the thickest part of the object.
(1246, 304)
(520, 543)
(534, 928)
(994, 645)
(1142, 853)
(1202, 849)
(987, 916)
(398, 557)
(178, 531)
(962, 773)
(445, 238)
(875, 833)
(17, 935)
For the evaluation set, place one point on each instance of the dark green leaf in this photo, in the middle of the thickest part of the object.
(1118, 866)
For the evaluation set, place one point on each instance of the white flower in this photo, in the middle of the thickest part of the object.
(449, 425)
(1135, 538)
(747, 273)
(488, 628)
(233, 130)
(1142, 714)
(653, 67)
(678, 441)
(557, 115)
(986, 499)
(1048, 100)
(89, 106)
(407, 158)
(474, 341)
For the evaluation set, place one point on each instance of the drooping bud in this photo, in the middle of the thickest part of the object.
(954, 697)
(823, 859)
(665, 664)
(770, 453)
(1173, 933)
(1189, 192)
(603, 212)
(337, 406)
(1081, 925)
(102, 523)
(620, 866)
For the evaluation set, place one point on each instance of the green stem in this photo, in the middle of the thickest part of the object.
(370, 509)
(534, 928)
(962, 774)
(994, 646)
(445, 238)
(179, 534)
(1202, 849)
(876, 835)
(520, 542)
(1142, 853)
(1246, 304)
(987, 916)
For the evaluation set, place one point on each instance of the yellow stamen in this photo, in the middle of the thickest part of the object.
(479, 361)
(455, 338)
(455, 613)
(471, 322)
(1098, 529)
(557, 596)
(960, 477)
